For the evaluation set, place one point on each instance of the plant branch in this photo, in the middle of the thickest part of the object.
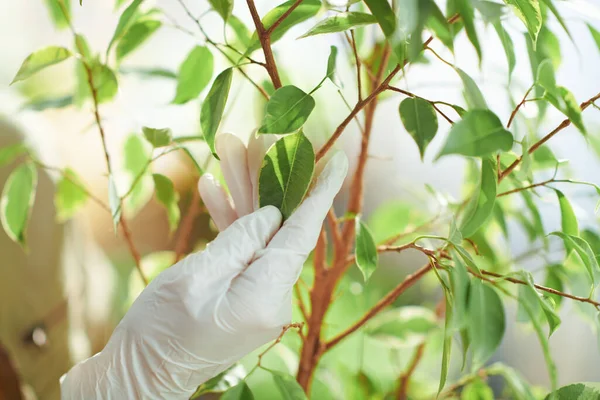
(549, 136)
(286, 14)
(544, 183)
(265, 41)
(514, 112)
(185, 230)
(433, 103)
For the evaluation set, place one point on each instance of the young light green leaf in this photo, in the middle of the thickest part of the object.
(595, 35)
(288, 386)
(168, 197)
(125, 21)
(47, 103)
(114, 202)
(239, 29)
(477, 390)
(545, 75)
(194, 74)
(568, 219)
(529, 12)
(10, 153)
(481, 206)
(447, 343)
(17, 201)
(583, 250)
(331, 62)
(340, 23)
(439, 25)
(39, 60)
(383, 13)
(306, 10)
(420, 121)
(467, 14)
(143, 72)
(214, 106)
(543, 303)
(57, 12)
(486, 322)
(70, 195)
(103, 78)
(158, 137)
(287, 110)
(291, 156)
(472, 93)
(559, 18)
(241, 391)
(402, 327)
(479, 133)
(576, 391)
(507, 45)
(565, 102)
(223, 7)
(553, 280)
(365, 250)
(137, 34)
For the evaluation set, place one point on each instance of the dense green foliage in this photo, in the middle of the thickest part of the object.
(511, 171)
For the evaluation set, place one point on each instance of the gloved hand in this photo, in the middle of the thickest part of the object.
(203, 314)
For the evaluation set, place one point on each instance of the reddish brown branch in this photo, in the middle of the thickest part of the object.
(549, 136)
(265, 42)
(544, 183)
(514, 112)
(186, 227)
(287, 12)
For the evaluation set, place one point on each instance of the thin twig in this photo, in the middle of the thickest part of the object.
(186, 227)
(283, 16)
(265, 42)
(521, 103)
(358, 65)
(544, 183)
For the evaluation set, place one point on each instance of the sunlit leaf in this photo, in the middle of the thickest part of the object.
(214, 106)
(365, 250)
(168, 197)
(467, 15)
(420, 120)
(194, 74)
(10, 153)
(104, 81)
(477, 390)
(232, 377)
(595, 35)
(507, 45)
(340, 23)
(48, 103)
(125, 21)
(39, 60)
(137, 156)
(57, 13)
(480, 133)
(529, 12)
(565, 102)
(158, 137)
(16, 203)
(70, 195)
(486, 321)
(135, 36)
(223, 7)
(287, 110)
(518, 386)
(291, 156)
(331, 63)
(239, 29)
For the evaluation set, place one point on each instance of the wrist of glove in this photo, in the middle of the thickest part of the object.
(200, 316)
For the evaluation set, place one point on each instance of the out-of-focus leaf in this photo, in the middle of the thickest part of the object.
(568, 219)
(288, 386)
(103, 78)
(39, 60)
(467, 14)
(529, 12)
(403, 327)
(551, 316)
(420, 121)
(477, 390)
(16, 203)
(227, 379)
(507, 45)
(479, 134)
(595, 35)
(48, 103)
(340, 23)
(438, 23)
(194, 74)
(125, 21)
(472, 93)
(149, 72)
(554, 281)
(287, 110)
(168, 197)
(565, 102)
(136, 158)
(291, 156)
(70, 195)
(447, 344)
(158, 137)
(576, 391)
(481, 206)
(331, 63)
(57, 13)
(486, 321)
(223, 7)
(583, 250)
(384, 14)
(135, 36)
(518, 386)
(214, 106)
(241, 31)
(365, 250)
(114, 202)
(10, 153)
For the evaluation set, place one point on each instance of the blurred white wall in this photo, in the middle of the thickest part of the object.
(24, 27)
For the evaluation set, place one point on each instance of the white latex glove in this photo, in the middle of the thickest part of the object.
(208, 311)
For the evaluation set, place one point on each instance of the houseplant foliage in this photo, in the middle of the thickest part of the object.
(464, 247)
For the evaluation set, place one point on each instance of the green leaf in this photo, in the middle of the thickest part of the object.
(481, 206)
(403, 327)
(137, 158)
(518, 386)
(438, 23)
(158, 137)
(583, 250)
(47, 103)
(70, 195)
(214, 106)
(576, 391)
(595, 35)
(548, 309)
(17, 201)
(569, 220)
(288, 386)
(565, 102)
(41, 59)
(507, 45)
(57, 13)
(559, 18)
(420, 121)
(241, 31)
(287, 110)
(306, 10)
(11, 152)
(340, 23)
(331, 62)
(447, 343)
(529, 12)
(151, 72)
(472, 93)
(480, 133)
(103, 78)
(554, 281)
(382, 11)
(125, 21)
(114, 202)
(168, 197)
(241, 391)
(223, 7)
(231, 377)
(467, 14)
(486, 321)
(365, 250)
(286, 173)
(137, 34)
(194, 74)
(477, 390)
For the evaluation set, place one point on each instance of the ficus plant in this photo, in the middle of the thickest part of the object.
(350, 338)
